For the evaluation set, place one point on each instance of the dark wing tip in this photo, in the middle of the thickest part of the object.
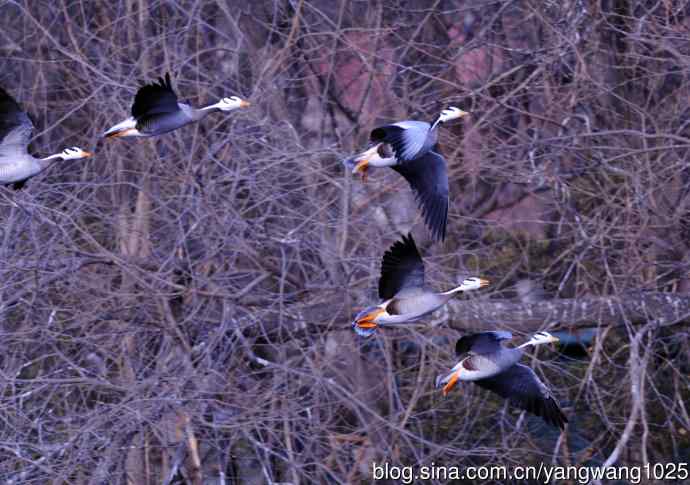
(435, 213)
(166, 83)
(377, 134)
(461, 345)
(401, 266)
(155, 98)
(399, 249)
(428, 179)
(5, 97)
(481, 342)
(548, 409)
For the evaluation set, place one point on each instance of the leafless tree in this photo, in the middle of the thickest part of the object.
(177, 309)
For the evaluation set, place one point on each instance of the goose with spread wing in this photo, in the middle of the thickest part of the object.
(410, 148)
(489, 364)
(16, 164)
(156, 111)
(402, 287)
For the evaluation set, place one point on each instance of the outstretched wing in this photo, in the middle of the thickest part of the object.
(481, 343)
(408, 138)
(522, 387)
(15, 126)
(428, 177)
(155, 98)
(402, 268)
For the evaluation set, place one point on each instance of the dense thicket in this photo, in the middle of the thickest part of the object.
(177, 310)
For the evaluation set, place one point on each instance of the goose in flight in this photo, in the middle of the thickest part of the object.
(409, 148)
(405, 295)
(16, 164)
(491, 365)
(156, 111)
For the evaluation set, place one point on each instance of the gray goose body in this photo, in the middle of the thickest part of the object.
(492, 366)
(402, 287)
(409, 139)
(156, 111)
(17, 165)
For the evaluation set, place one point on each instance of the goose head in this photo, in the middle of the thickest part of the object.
(451, 113)
(231, 103)
(474, 283)
(74, 153)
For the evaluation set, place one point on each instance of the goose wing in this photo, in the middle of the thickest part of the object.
(15, 126)
(402, 268)
(408, 138)
(481, 342)
(155, 99)
(428, 177)
(521, 386)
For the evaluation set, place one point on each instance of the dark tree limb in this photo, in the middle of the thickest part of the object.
(636, 307)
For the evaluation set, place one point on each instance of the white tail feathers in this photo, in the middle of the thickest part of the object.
(127, 124)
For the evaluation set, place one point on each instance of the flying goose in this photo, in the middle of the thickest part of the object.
(489, 364)
(156, 111)
(406, 298)
(409, 148)
(16, 164)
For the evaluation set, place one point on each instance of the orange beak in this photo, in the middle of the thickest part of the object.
(484, 283)
(450, 384)
(86, 154)
(367, 321)
(362, 166)
(245, 104)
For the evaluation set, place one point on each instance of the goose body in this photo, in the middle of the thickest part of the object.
(156, 111)
(409, 148)
(495, 367)
(402, 287)
(409, 139)
(17, 165)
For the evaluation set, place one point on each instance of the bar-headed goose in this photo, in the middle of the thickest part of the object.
(409, 148)
(489, 364)
(16, 164)
(405, 295)
(156, 111)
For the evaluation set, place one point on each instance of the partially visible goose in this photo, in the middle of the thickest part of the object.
(409, 148)
(405, 295)
(16, 164)
(156, 111)
(489, 364)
